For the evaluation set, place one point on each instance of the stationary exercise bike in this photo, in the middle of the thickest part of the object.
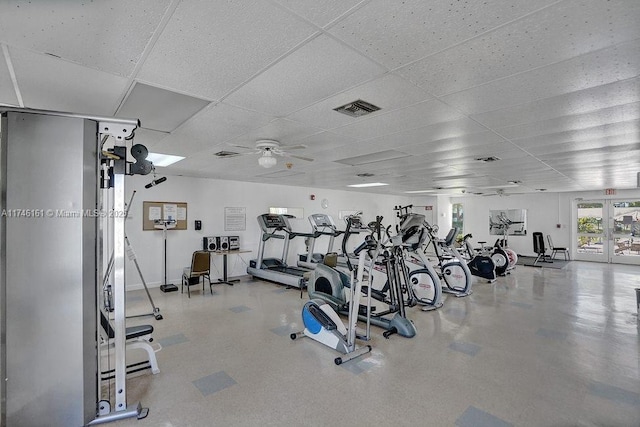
(322, 323)
(454, 271)
(479, 265)
(328, 284)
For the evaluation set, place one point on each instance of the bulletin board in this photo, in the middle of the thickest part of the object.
(164, 211)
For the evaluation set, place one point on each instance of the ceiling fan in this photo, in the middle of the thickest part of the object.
(268, 147)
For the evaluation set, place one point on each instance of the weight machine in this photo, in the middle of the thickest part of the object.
(65, 202)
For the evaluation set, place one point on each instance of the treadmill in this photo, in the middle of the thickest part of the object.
(275, 226)
(321, 225)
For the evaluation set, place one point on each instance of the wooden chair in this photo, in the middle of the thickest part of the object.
(555, 250)
(200, 268)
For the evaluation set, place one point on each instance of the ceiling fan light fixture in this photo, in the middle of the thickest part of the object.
(267, 160)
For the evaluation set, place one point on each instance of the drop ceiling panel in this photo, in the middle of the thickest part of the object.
(150, 139)
(159, 109)
(287, 132)
(96, 34)
(436, 135)
(319, 69)
(509, 50)
(617, 114)
(7, 92)
(456, 143)
(613, 142)
(415, 116)
(598, 68)
(210, 47)
(64, 86)
(603, 131)
(388, 92)
(324, 140)
(320, 12)
(414, 29)
(579, 102)
(215, 125)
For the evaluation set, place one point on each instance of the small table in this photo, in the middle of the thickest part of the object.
(224, 254)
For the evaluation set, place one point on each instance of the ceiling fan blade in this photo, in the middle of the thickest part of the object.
(241, 146)
(308, 159)
(293, 147)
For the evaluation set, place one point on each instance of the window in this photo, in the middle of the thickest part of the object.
(457, 218)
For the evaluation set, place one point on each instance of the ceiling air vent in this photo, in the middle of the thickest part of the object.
(488, 159)
(357, 108)
(225, 153)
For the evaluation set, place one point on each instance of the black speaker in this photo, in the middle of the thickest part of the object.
(210, 243)
(198, 224)
(224, 243)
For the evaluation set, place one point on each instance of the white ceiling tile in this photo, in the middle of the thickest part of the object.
(319, 69)
(602, 67)
(7, 92)
(65, 86)
(389, 92)
(396, 32)
(324, 140)
(287, 132)
(617, 114)
(210, 47)
(434, 135)
(149, 138)
(457, 143)
(215, 125)
(320, 12)
(596, 132)
(159, 109)
(613, 143)
(525, 44)
(110, 36)
(579, 102)
(415, 116)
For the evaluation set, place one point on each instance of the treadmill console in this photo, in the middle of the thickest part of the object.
(320, 221)
(273, 222)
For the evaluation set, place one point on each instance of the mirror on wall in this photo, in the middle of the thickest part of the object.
(510, 222)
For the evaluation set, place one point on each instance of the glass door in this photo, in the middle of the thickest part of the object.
(608, 231)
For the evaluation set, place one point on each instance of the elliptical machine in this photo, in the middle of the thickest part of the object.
(328, 284)
(423, 282)
(322, 323)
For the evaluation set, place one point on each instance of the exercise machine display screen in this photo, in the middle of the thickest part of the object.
(274, 221)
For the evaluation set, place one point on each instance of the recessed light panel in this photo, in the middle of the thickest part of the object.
(368, 184)
(163, 160)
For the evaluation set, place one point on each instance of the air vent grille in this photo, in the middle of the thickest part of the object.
(225, 154)
(488, 159)
(357, 108)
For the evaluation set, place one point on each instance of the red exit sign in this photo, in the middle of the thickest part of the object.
(610, 192)
(428, 208)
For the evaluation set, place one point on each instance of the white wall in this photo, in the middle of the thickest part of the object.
(544, 212)
(206, 200)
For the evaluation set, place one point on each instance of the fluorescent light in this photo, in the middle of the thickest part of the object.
(163, 160)
(368, 184)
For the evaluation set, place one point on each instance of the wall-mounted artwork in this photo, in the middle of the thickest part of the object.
(510, 222)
